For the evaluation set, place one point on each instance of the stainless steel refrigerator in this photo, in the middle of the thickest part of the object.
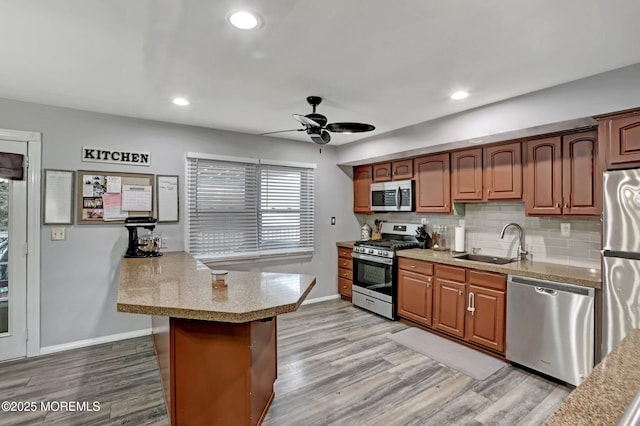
(621, 256)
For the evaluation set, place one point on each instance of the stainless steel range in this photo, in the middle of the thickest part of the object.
(375, 268)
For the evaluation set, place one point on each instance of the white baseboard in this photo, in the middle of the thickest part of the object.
(95, 341)
(321, 299)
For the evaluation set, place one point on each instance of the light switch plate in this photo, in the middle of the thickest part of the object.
(57, 234)
(423, 220)
(565, 229)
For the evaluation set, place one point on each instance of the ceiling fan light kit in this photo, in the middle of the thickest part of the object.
(317, 128)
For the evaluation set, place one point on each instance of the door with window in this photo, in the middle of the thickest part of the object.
(13, 260)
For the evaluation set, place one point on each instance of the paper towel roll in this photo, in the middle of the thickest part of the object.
(458, 244)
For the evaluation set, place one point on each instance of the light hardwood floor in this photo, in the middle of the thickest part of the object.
(336, 366)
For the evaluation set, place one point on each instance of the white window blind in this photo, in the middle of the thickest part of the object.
(239, 210)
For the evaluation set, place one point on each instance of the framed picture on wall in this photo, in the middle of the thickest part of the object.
(58, 197)
(167, 198)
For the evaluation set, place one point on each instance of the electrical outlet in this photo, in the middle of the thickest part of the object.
(461, 222)
(423, 220)
(565, 229)
(57, 234)
(333, 220)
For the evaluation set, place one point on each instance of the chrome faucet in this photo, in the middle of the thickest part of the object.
(522, 253)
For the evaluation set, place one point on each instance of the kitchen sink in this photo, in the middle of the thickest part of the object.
(486, 259)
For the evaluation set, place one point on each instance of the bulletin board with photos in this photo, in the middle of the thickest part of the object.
(111, 197)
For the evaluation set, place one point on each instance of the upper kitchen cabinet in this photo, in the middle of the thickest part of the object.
(466, 175)
(563, 175)
(622, 136)
(499, 177)
(503, 172)
(362, 178)
(396, 170)
(433, 189)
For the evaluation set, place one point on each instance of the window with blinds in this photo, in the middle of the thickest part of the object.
(245, 208)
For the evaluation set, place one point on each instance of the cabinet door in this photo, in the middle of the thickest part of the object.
(581, 175)
(382, 172)
(503, 172)
(449, 306)
(345, 287)
(543, 175)
(433, 187)
(402, 169)
(485, 325)
(466, 175)
(624, 139)
(415, 296)
(362, 189)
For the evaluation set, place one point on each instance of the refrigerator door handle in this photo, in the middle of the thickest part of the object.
(621, 254)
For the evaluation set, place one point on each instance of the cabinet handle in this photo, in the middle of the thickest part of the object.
(488, 192)
(413, 266)
(472, 303)
(557, 205)
(428, 282)
(459, 292)
(344, 286)
(446, 205)
(478, 193)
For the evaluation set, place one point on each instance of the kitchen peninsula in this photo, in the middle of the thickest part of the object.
(216, 347)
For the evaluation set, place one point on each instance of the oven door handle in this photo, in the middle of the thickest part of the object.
(398, 201)
(374, 259)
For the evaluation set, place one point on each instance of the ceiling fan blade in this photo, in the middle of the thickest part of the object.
(321, 138)
(306, 121)
(349, 127)
(282, 131)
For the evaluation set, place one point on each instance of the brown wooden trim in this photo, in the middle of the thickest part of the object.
(618, 114)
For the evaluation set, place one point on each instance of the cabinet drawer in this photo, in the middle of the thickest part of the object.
(345, 263)
(488, 279)
(344, 252)
(345, 273)
(413, 265)
(344, 287)
(450, 273)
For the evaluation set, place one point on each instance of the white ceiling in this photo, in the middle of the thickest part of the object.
(390, 64)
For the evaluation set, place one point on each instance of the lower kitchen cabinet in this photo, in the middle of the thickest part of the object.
(345, 273)
(415, 291)
(486, 310)
(449, 303)
(465, 303)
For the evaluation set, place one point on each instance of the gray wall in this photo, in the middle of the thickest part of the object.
(79, 275)
(562, 107)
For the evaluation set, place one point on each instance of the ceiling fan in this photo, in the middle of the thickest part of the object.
(316, 126)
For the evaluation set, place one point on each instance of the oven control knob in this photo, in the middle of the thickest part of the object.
(382, 253)
(370, 251)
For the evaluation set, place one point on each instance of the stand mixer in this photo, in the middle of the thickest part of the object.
(148, 246)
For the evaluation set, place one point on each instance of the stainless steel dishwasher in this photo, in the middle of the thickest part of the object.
(550, 327)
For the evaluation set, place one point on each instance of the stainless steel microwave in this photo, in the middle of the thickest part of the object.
(395, 196)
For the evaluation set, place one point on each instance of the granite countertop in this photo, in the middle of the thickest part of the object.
(604, 395)
(545, 271)
(178, 285)
(347, 244)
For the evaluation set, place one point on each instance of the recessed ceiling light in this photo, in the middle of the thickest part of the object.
(181, 101)
(459, 95)
(243, 20)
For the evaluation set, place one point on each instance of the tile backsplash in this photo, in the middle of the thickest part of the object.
(484, 221)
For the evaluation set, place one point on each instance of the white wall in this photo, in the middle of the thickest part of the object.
(561, 107)
(80, 274)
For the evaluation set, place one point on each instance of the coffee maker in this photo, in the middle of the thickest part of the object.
(144, 246)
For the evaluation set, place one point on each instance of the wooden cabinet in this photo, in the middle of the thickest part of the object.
(563, 175)
(395, 170)
(362, 178)
(622, 136)
(491, 173)
(433, 186)
(415, 290)
(449, 302)
(486, 310)
(345, 273)
(465, 303)
(466, 175)
(503, 172)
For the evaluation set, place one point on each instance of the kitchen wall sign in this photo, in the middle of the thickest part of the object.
(102, 155)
